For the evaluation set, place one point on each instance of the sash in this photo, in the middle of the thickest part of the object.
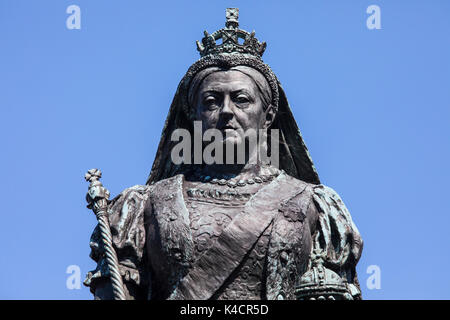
(217, 263)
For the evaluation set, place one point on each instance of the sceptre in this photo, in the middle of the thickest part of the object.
(97, 198)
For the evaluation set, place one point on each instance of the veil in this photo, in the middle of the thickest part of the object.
(294, 156)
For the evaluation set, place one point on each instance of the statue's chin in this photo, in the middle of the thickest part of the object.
(231, 137)
(232, 141)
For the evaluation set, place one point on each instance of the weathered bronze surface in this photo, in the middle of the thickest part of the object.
(228, 231)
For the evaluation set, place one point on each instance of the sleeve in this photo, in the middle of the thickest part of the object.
(126, 218)
(337, 240)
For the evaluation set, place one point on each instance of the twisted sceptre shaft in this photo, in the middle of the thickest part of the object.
(97, 198)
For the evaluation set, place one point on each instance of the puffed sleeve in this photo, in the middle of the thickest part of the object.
(126, 218)
(337, 237)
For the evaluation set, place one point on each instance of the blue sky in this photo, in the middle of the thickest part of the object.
(373, 107)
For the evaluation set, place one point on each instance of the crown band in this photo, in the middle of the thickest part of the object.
(227, 61)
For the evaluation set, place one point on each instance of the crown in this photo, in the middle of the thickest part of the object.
(231, 36)
(322, 283)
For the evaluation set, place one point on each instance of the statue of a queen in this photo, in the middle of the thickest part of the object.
(251, 230)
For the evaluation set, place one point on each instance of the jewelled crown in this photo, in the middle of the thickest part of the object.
(234, 40)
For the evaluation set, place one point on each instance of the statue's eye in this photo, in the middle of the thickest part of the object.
(210, 102)
(242, 100)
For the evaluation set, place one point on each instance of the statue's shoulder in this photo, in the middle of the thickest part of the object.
(143, 192)
(325, 191)
(326, 198)
(301, 205)
(167, 182)
(129, 206)
(137, 192)
(304, 188)
(315, 190)
(133, 201)
(166, 186)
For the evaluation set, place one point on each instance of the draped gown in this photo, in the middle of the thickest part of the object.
(180, 239)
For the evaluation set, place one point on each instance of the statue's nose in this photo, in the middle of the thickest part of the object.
(227, 106)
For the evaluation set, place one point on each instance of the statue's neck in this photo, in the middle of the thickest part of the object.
(251, 167)
(243, 171)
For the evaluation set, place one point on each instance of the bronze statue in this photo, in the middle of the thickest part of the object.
(226, 230)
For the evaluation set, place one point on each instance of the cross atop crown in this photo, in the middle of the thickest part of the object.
(232, 16)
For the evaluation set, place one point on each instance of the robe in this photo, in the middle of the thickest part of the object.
(278, 226)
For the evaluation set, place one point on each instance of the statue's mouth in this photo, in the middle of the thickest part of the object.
(227, 127)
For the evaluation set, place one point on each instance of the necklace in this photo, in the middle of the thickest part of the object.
(233, 183)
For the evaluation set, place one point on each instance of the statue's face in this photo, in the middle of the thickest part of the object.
(231, 102)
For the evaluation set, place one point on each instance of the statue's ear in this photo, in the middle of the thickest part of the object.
(270, 116)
